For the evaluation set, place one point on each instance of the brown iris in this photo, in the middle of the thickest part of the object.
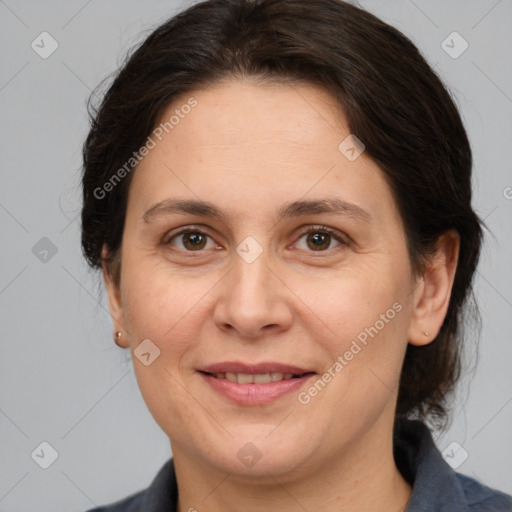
(196, 240)
(320, 240)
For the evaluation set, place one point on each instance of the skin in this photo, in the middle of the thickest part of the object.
(248, 148)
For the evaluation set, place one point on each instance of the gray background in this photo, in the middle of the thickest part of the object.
(62, 379)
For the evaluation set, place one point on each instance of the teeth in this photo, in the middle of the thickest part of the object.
(259, 378)
(244, 378)
(262, 378)
(231, 377)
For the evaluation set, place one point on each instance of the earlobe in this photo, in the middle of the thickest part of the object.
(432, 296)
(114, 297)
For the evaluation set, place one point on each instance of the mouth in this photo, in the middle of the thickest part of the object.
(257, 378)
(254, 384)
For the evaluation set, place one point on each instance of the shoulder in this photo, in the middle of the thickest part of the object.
(131, 503)
(435, 484)
(481, 498)
(161, 495)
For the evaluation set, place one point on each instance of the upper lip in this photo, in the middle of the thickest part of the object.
(252, 369)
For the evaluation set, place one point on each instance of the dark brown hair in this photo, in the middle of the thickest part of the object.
(393, 101)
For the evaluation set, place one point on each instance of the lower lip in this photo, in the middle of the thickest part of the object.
(255, 394)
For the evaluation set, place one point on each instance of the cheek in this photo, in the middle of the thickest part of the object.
(167, 310)
(353, 304)
(158, 305)
(173, 309)
(363, 327)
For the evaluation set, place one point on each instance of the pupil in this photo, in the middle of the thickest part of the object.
(194, 239)
(319, 240)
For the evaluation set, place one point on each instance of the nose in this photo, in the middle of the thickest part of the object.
(253, 301)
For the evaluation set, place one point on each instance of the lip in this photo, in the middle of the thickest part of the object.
(254, 394)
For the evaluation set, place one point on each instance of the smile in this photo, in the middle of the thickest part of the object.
(256, 384)
(258, 378)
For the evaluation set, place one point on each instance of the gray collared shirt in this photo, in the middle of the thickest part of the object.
(436, 487)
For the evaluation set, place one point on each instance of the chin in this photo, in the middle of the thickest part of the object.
(266, 456)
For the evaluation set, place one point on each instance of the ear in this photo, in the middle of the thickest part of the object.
(114, 297)
(433, 291)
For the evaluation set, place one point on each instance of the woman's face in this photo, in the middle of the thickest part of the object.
(301, 268)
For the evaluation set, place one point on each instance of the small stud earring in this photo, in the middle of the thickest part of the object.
(426, 333)
(117, 338)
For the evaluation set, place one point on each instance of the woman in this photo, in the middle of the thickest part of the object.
(278, 193)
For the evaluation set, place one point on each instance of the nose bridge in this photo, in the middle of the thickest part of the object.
(250, 281)
(250, 272)
(250, 300)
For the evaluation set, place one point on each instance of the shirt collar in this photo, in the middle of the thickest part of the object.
(435, 485)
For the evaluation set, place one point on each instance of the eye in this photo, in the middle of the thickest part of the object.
(317, 239)
(191, 240)
(320, 238)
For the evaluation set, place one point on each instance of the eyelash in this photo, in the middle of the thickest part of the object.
(343, 241)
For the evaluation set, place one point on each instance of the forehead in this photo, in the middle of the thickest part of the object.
(241, 113)
(246, 144)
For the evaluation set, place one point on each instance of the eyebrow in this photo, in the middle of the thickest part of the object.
(288, 210)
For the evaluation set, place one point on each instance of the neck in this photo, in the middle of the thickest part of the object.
(363, 477)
